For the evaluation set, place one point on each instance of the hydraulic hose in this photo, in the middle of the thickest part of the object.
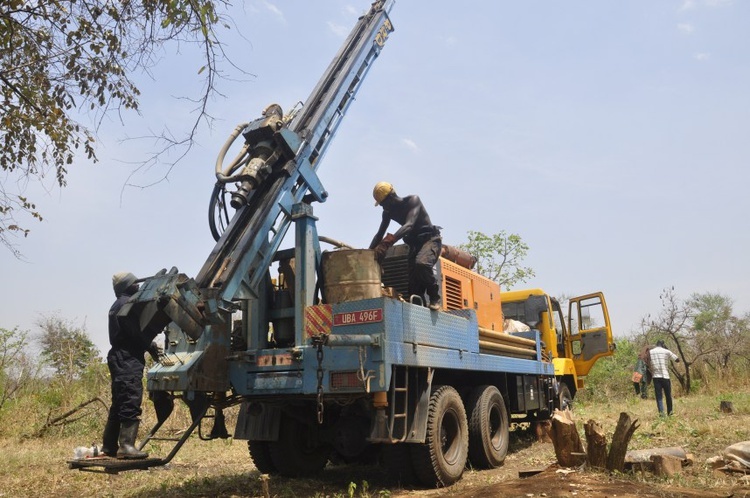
(226, 176)
(335, 243)
(216, 207)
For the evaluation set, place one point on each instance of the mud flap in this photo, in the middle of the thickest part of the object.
(258, 422)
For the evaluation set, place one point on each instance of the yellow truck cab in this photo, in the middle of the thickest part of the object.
(575, 344)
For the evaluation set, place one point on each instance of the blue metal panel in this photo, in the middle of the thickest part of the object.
(416, 336)
(422, 326)
(275, 381)
(407, 335)
(428, 356)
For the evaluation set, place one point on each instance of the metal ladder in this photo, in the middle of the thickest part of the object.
(399, 404)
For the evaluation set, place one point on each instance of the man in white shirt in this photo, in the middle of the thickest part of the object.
(660, 357)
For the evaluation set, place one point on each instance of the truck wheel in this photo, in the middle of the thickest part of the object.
(397, 461)
(298, 452)
(488, 428)
(440, 461)
(260, 453)
(564, 398)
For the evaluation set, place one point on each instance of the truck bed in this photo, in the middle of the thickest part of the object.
(365, 339)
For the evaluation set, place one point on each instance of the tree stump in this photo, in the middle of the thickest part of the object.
(726, 407)
(626, 426)
(596, 444)
(264, 478)
(568, 447)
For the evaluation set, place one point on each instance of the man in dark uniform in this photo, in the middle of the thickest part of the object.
(126, 363)
(418, 232)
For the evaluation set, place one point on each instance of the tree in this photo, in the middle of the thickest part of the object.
(499, 257)
(62, 58)
(674, 324)
(718, 332)
(704, 330)
(67, 348)
(16, 369)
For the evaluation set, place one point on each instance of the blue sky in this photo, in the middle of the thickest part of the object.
(612, 136)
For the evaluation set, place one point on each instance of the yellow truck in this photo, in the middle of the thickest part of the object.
(574, 343)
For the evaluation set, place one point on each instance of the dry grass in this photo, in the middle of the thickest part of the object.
(697, 426)
(37, 467)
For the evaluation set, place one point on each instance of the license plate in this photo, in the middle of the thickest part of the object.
(357, 317)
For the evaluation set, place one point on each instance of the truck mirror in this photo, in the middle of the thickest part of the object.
(533, 308)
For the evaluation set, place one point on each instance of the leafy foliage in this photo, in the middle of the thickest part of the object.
(499, 257)
(16, 369)
(67, 348)
(704, 332)
(64, 56)
(673, 324)
(717, 332)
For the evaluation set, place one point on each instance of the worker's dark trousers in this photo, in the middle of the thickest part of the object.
(665, 386)
(422, 260)
(127, 385)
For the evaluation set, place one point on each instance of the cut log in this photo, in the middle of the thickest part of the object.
(641, 456)
(626, 426)
(568, 446)
(596, 444)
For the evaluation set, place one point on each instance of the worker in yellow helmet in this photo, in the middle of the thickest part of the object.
(418, 232)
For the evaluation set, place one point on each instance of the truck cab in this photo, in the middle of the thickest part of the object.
(574, 343)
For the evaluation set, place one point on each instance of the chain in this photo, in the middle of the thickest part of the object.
(319, 355)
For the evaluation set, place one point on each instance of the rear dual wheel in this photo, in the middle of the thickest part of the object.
(260, 452)
(488, 428)
(440, 461)
(298, 451)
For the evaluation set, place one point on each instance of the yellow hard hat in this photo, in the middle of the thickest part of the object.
(381, 191)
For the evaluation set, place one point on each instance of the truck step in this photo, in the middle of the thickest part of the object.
(113, 465)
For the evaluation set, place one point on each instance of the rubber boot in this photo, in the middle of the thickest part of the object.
(110, 437)
(128, 433)
(436, 302)
(433, 291)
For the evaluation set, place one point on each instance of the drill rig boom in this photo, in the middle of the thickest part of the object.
(277, 176)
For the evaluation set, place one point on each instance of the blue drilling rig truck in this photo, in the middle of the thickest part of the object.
(325, 352)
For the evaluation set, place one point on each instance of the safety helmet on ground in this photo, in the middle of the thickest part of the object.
(381, 191)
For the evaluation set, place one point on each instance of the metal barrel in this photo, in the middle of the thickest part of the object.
(350, 275)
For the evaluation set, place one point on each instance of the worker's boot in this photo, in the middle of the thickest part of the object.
(436, 303)
(432, 288)
(110, 437)
(128, 433)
